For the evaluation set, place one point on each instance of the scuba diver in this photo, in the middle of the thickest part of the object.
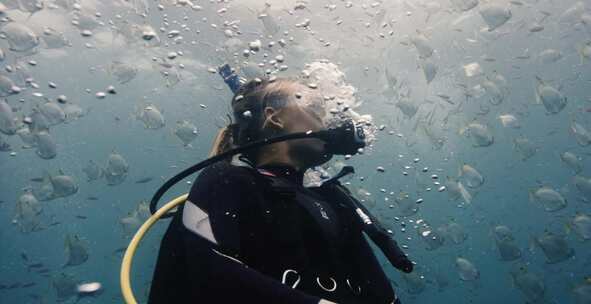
(250, 232)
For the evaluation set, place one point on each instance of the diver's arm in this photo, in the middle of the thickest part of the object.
(387, 244)
(374, 230)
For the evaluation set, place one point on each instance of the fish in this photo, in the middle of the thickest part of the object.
(63, 185)
(456, 190)
(531, 285)
(466, 270)
(120, 250)
(46, 146)
(495, 15)
(524, 147)
(35, 265)
(414, 282)
(495, 93)
(185, 131)
(65, 286)
(116, 170)
(548, 198)
(37, 179)
(151, 117)
(581, 225)
(408, 107)
(464, 5)
(472, 69)
(506, 246)
(406, 205)
(27, 285)
(123, 72)
(584, 51)
(53, 113)
(572, 161)
(24, 256)
(92, 198)
(422, 44)
(510, 121)
(552, 99)
(20, 37)
(89, 289)
(76, 251)
(454, 232)
(582, 292)
(82, 217)
(550, 56)
(554, 247)
(143, 210)
(8, 119)
(573, 13)
(92, 171)
(583, 185)
(471, 176)
(581, 134)
(130, 223)
(479, 134)
(14, 285)
(28, 210)
(430, 236)
(430, 70)
(144, 180)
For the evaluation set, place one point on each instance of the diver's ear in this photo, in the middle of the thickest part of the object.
(272, 118)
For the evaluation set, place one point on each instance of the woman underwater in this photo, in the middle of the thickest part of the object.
(250, 232)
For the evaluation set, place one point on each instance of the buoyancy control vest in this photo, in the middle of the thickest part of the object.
(332, 221)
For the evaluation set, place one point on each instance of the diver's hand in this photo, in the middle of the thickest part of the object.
(404, 264)
(323, 301)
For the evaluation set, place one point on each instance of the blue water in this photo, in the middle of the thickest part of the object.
(363, 56)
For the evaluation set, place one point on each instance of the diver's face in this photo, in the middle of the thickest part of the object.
(310, 151)
(303, 115)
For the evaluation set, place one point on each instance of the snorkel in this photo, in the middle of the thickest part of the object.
(345, 139)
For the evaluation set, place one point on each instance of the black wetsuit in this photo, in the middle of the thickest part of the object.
(270, 234)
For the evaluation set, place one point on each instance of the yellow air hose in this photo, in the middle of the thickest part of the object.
(124, 279)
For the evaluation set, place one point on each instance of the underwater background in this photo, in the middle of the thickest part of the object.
(479, 114)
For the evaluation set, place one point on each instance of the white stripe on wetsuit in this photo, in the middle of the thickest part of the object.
(197, 221)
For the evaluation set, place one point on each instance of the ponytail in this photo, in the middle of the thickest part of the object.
(222, 141)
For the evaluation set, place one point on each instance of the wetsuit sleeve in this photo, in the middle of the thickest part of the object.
(375, 230)
(225, 194)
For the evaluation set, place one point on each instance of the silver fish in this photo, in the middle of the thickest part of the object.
(554, 247)
(495, 15)
(531, 285)
(185, 131)
(76, 251)
(581, 225)
(414, 282)
(548, 198)
(508, 250)
(27, 212)
(92, 171)
(65, 286)
(466, 270)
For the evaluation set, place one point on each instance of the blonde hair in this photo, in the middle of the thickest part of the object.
(252, 96)
(222, 142)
